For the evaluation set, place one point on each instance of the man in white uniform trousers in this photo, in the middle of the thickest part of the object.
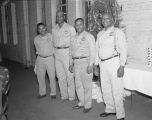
(45, 60)
(111, 54)
(82, 51)
(62, 34)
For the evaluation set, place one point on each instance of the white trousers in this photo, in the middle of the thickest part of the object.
(112, 87)
(83, 82)
(65, 78)
(44, 65)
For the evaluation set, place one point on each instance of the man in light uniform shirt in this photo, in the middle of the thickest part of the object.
(62, 34)
(82, 52)
(45, 60)
(111, 54)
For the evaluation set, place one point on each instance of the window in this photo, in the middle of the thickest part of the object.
(63, 5)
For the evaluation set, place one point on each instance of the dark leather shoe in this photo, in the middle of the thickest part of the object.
(77, 107)
(53, 96)
(121, 119)
(106, 114)
(41, 96)
(86, 110)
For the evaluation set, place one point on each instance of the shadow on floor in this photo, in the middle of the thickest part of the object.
(23, 104)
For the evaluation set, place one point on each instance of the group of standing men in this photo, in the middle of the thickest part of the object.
(73, 53)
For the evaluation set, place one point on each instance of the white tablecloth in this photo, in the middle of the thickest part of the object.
(139, 78)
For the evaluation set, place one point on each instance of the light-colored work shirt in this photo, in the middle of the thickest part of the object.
(44, 45)
(83, 45)
(106, 42)
(63, 35)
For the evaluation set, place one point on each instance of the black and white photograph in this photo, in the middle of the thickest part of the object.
(75, 59)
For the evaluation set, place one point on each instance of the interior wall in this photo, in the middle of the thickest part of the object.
(18, 52)
(136, 18)
(9, 50)
(32, 12)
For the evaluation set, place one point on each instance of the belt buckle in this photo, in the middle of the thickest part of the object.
(77, 57)
(108, 58)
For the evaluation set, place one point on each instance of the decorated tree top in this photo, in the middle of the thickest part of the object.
(96, 9)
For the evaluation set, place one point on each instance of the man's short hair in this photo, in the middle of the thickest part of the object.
(79, 19)
(41, 23)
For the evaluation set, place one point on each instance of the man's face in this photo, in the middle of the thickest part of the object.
(79, 26)
(60, 17)
(107, 21)
(42, 30)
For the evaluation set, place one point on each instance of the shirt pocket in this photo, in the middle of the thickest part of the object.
(83, 41)
(66, 33)
(84, 44)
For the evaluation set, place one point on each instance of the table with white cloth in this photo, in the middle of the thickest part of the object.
(139, 78)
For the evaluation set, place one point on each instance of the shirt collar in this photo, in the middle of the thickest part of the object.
(81, 34)
(62, 25)
(109, 29)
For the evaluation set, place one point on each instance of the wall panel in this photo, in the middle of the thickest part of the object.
(136, 17)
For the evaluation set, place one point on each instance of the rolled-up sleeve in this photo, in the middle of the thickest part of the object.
(73, 32)
(122, 46)
(70, 51)
(36, 45)
(91, 40)
(97, 53)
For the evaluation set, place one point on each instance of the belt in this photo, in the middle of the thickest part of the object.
(78, 57)
(61, 47)
(44, 56)
(108, 58)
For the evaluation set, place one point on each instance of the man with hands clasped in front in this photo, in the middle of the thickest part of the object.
(82, 53)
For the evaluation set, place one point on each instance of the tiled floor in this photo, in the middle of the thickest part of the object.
(23, 104)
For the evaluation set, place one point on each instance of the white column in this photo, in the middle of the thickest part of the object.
(4, 24)
(4, 20)
(14, 24)
(80, 8)
(26, 29)
(53, 11)
(71, 11)
(39, 10)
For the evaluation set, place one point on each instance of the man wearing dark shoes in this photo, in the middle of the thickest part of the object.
(82, 52)
(41, 96)
(111, 55)
(53, 96)
(121, 119)
(105, 114)
(62, 34)
(85, 110)
(45, 60)
(77, 107)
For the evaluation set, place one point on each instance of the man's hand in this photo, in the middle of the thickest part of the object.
(120, 72)
(89, 69)
(71, 67)
(96, 70)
